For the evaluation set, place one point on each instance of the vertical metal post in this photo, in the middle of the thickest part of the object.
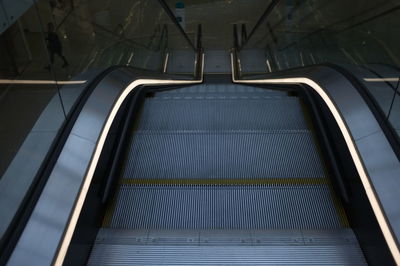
(235, 37)
(243, 34)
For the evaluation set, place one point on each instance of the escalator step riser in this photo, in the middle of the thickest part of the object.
(230, 207)
(229, 255)
(224, 89)
(216, 115)
(222, 156)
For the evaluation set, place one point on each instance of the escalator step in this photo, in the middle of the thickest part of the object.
(201, 155)
(226, 207)
(217, 114)
(226, 247)
(192, 255)
(225, 89)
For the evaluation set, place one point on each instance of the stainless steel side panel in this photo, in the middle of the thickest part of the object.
(374, 157)
(45, 231)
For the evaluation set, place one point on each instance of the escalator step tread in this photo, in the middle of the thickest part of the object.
(228, 255)
(247, 155)
(225, 207)
(218, 96)
(328, 237)
(227, 247)
(218, 114)
(223, 89)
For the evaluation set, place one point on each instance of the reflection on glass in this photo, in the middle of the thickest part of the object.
(217, 18)
(30, 113)
(359, 36)
(394, 115)
(48, 56)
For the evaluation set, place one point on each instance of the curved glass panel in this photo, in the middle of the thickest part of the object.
(359, 36)
(50, 51)
(217, 18)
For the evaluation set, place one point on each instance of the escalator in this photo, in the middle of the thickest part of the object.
(174, 167)
(224, 174)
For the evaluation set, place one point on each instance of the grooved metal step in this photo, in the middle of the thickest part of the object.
(217, 96)
(226, 207)
(226, 247)
(224, 175)
(222, 155)
(218, 114)
(221, 89)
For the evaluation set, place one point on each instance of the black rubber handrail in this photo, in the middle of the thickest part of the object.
(14, 230)
(199, 57)
(17, 225)
(375, 108)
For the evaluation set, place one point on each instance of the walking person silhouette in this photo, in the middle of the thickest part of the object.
(54, 45)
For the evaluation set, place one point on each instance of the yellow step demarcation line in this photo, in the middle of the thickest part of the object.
(258, 181)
